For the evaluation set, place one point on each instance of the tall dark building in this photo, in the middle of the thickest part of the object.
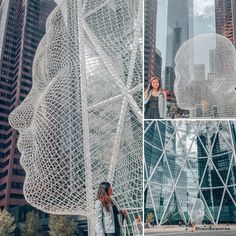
(158, 63)
(22, 25)
(179, 29)
(150, 15)
(225, 16)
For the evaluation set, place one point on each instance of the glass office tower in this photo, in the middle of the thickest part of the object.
(179, 29)
(189, 160)
(152, 58)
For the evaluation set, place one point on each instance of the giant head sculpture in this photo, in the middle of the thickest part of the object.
(196, 210)
(206, 76)
(81, 122)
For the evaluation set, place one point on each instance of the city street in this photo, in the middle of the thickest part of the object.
(197, 233)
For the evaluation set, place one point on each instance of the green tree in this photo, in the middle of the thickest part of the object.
(150, 218)
(61, 225)
(7, 225)
(31, 227)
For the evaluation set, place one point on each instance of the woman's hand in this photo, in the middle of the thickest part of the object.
(123, 212)
(146, 91)
(148, 88)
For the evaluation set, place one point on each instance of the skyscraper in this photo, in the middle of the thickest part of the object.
(179, 29)
(225, 16)
(185, 161)
(150, 15)
(158, 63)
(22, 25)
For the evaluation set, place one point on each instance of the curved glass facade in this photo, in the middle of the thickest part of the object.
(188, 160)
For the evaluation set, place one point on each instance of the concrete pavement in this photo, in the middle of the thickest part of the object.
(196, 233)
(181, 231)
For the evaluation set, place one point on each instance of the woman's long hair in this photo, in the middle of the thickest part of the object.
(159, 80)
(103, 195)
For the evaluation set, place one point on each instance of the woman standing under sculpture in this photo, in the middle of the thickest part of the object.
(107, 214)
(154, 96)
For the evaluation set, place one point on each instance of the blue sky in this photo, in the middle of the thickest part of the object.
(204, 20)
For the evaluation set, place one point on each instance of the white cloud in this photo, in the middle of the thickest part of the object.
(205, 8)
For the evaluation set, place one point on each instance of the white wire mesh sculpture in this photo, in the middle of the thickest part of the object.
(58, 1)
(196, 210)
(206, 77)
(81, 123)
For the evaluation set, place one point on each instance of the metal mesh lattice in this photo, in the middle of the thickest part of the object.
(81, 122)
(206, 76)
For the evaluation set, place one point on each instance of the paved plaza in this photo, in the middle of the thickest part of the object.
(180, 231)
(197, 233)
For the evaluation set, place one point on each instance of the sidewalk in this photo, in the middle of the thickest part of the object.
(175, 228)
(164, 229)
